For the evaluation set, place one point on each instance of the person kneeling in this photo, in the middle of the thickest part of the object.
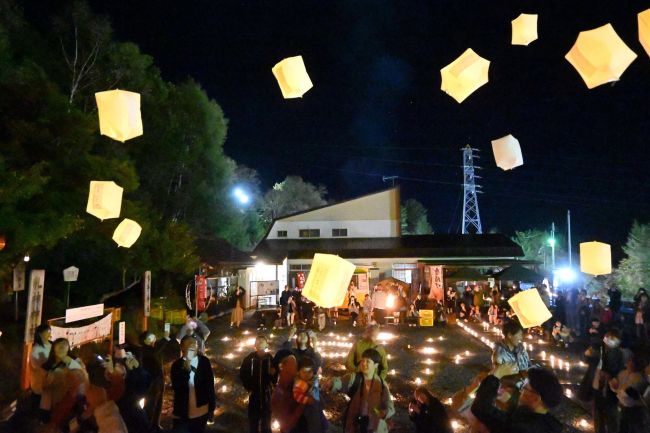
(541, 392)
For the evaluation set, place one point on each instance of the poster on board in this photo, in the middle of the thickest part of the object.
(34, 303)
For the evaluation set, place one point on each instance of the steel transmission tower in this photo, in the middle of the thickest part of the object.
(471, 216)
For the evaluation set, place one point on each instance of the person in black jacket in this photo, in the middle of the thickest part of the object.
(258, 375)
(151, 360)
(193, 384)
(541, 392)
(428, 414)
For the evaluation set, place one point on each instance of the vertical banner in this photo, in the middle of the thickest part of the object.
(121, 338)
(437, 284)
(201, 285)
(34, 303)
(146, 293)
(300, 277)
(19, 277)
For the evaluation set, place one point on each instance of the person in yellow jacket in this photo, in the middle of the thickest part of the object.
(368, 341)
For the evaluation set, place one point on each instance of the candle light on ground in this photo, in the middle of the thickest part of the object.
(568, 393)
(455, 424)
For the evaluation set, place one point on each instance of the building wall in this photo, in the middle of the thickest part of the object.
(355, 228)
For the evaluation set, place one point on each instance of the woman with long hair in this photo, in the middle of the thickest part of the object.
(64, 377)
(238, 312)
(40, 354)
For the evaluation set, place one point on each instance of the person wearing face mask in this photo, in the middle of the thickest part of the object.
(258, 374)
(611, 363)
(193, 385)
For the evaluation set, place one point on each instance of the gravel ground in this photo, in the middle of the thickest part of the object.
(453, 358)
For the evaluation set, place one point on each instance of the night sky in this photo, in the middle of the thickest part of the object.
(376, 108)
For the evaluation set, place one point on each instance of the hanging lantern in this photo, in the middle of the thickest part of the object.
(328, 280)
(464, 75)
(595, 258)
(524, 29)
(507, 152)
(3, 242)
(104, 199)
(530, 309)
(600, 56)
(119, 114)
(644, 29)
(127, 233)
(292, 77)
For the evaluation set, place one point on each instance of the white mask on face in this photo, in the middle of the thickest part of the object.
(611, 342)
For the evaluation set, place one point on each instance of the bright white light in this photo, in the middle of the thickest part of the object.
(26, 258)
(455, 424)
(390, 301)
(566, 275)
(385, 336)
(141, 403)
(241, 196)
(275, 425)
(428, 350)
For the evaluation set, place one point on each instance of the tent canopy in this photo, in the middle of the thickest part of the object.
(518, 273)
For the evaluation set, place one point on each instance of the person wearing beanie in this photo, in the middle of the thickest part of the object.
(541, 392)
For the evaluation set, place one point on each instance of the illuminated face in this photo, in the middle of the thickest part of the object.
(368, 366)
(516, 338)
(189, 345)
(46, 335)
(261, 345)
(420, 397)
(61, 349)
(302, 338)
(306, 374)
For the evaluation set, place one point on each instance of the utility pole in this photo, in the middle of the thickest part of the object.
(568, 225)
(552, 242)
(471, 216)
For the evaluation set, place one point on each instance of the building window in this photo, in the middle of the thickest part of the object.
(282, 233)
(339, 232)
(404, 271)
(309, 233)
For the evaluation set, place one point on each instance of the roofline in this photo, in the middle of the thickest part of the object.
(323, 207)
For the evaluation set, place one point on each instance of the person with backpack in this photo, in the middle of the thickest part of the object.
(371, 404)
(367, 341)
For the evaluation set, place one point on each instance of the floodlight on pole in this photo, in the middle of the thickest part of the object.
(241, 196)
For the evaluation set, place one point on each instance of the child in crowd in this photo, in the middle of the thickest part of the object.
(493, 314)
(306, 391)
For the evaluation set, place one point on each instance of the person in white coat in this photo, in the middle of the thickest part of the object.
(40, 353)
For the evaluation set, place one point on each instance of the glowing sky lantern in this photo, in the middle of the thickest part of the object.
(464, 75)
(127, 233)
(524, 29)
(600, 56)
(104, 199)
(292, 77)
(644, 29)
(530, 309)
(328, 280)
(119, 114)
(507, 152)
(595, 258)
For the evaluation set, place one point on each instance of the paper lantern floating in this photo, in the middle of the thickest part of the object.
(104, 199)
(3, 242)
(644, 29)
(524, 29)
(530, 308)
(127, 233)
(292, 77)
(507, 152)
(600, 56)
(595, 258)
(119, 114)
(328, 280)
(464, 75)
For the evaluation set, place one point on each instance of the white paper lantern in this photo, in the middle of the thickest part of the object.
(595, 258)
(292, 77)
(464, 75)
(600, 56)
(127, 233)
(524, 29)
(530, 309)
(119, 114)
(328, 280)
(507, 152)
(104, 199)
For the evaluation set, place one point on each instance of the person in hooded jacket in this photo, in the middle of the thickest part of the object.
(541, 392)
(258, 374)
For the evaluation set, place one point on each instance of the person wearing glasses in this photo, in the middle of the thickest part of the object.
(541, 392)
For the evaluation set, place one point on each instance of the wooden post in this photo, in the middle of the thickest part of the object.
(25, 373)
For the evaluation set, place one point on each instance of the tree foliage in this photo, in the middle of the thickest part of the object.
(291, 195)
(414, 218)
(534, 243)
(634, 270)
